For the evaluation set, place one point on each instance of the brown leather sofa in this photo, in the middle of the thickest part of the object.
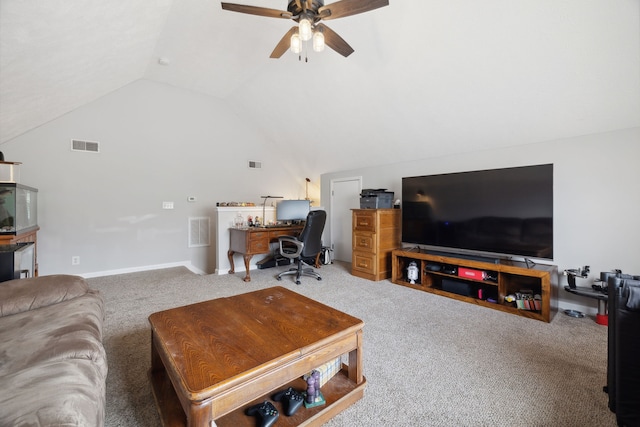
(53, 365)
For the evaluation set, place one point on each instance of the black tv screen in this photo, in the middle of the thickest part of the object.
(499, 211)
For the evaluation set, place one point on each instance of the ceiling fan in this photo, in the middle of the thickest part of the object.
(308, 14)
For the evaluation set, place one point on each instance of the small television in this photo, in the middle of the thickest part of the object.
(292, 210)
(504, 212)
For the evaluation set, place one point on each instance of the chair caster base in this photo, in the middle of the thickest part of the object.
(299, 273)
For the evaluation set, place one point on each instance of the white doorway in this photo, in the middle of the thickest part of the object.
(345, 195)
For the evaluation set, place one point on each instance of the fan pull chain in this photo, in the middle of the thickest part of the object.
(306, 56)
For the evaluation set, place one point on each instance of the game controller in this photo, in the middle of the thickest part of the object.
(291, 399)
(265, 411)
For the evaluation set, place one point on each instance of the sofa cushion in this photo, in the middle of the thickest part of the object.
(68, 330)
(17, 296)
(60, 393)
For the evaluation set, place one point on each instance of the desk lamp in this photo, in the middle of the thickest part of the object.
(264, 204)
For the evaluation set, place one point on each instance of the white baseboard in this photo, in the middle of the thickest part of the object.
(186, 264)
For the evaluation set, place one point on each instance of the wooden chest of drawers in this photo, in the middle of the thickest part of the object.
(376, 232)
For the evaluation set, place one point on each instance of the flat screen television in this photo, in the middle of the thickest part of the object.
(292, 210)
(504, 212)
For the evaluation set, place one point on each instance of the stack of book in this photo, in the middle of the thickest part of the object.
(526, 300)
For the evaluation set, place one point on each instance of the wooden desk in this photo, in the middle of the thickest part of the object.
(212, 360)
(251, 241)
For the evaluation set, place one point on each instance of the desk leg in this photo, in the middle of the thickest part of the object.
(230, 255)
(247, 261)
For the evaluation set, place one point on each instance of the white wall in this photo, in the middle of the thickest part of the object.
(158, 143)
(596, 196)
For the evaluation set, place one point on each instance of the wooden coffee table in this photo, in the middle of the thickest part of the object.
(212, 360)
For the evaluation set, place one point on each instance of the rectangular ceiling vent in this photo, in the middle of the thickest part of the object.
(254, 165)
(87, 146)
(199, 232)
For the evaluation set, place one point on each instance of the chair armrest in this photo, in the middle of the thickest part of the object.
(290, 247)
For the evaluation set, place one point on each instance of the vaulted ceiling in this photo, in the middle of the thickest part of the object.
(437, 76)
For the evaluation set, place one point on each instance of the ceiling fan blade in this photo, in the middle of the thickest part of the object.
(344, 8)
(255, 10)
(303, 5)
(334, 41)
(284, 43)
(307, 4)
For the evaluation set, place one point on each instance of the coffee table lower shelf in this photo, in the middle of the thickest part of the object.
(339, 392)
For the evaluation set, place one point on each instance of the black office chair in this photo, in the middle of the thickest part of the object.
(307, 245)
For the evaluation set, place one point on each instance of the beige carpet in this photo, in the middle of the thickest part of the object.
(429, 360)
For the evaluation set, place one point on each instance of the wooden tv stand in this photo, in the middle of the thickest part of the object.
(439, 274)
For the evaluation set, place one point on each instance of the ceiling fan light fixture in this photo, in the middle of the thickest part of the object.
(296, 43)
(318, 41)
(309, 14)
(304, 29)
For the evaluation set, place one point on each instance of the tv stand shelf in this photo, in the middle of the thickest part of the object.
(439, 274)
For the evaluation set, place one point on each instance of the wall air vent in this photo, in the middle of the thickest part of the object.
(87, 146)
(254, 165)
(199, 232)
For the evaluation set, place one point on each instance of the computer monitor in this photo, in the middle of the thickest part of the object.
(292, 210)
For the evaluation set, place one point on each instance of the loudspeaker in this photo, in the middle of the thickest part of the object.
(456, 287)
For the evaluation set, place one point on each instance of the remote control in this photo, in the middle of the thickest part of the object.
(265, 411)
(291, 399)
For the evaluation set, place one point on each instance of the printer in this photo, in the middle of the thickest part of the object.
(376, 199)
